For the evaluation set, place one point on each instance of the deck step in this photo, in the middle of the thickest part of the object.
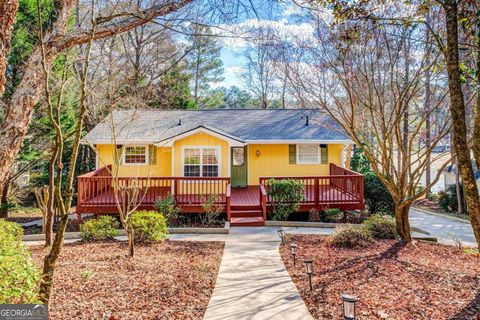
(246, 213)
(245, 208)
(247, 221)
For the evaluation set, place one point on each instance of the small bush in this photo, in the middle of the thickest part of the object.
(211, 211)
(351, 237)
(447, 200)
(286, 196)
(381, 227)
(101, 228)
(332, 215)
(314, 215)
(149, 226)
(376, 194)
(169, 209)
(19, 277)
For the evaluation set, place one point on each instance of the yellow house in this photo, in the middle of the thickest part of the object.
(227, 154)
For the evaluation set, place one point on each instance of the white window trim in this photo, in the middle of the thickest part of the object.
(219, 151)
(319, 156)
(124, 153)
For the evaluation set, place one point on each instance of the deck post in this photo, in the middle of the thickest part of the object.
(227, 201)
(317, 193)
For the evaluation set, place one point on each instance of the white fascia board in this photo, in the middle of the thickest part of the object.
(231, 140)
(299, 141)
(118, 141)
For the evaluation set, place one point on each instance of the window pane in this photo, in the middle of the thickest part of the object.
(210, 171)
(191, 171)
(238, 156)
(135, 155)
(192, 156)
(210, 156)
(308, 153)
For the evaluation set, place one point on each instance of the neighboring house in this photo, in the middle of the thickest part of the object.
(451, 172)
(228, 154)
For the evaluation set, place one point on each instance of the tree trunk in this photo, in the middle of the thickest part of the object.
(427, 107)
(8, 12)
(457, 109)
(50, 261)
(131, 240)
(458, 193)
(4, 199)
(403, 225)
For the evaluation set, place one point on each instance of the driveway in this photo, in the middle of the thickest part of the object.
(445, 229)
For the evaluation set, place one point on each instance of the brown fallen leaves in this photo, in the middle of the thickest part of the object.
(170, 280)
(418, 281)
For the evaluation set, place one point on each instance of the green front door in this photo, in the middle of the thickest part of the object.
(239, 166)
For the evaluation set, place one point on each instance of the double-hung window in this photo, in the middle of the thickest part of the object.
(135, 155)
(308, 154)
(201, 162)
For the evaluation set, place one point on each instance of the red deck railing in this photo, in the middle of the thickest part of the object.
(343, 188)
(96, 193)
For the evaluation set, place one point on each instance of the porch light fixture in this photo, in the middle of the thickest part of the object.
(309, 271)
(293, 250)
(281, 234)
(257, 153)
(349, 306)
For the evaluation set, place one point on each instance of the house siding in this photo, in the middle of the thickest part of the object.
(202, 139)
(162, 168)
(274, 161)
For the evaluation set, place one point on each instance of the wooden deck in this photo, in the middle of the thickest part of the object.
(342, 189)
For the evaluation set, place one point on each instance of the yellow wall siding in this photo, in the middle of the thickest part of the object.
(202, 139)
(163, 167)
(273, 161)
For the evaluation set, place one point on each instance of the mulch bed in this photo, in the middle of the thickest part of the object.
(170, 280)
(418, 281)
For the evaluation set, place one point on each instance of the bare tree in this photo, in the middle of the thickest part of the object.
(368, 90)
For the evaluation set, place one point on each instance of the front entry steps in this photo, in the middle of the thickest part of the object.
(246, 216)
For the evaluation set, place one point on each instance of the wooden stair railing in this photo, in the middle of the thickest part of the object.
(228, 196)
(263, 201)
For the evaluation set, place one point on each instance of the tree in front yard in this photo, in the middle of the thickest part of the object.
(371, 82)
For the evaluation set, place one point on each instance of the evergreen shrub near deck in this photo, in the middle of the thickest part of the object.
(351, 237)
(101, 228)
(381, 226)
(149, 226)
(19, 278)
(286, 195)
(169, 209)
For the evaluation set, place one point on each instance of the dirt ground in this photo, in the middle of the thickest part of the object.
(170, 280)
(418, 281)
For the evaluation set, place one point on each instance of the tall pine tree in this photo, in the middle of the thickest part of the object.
(204, 61)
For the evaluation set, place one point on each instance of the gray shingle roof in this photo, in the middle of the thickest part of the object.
(246, 125)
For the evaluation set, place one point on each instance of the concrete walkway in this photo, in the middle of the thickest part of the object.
(444, 228)
(252, 282)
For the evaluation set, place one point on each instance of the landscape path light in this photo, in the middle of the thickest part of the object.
(309, 271)
(293, 250)
(349, 306)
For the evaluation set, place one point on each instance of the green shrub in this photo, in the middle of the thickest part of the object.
(149, 226)
(351, 237)
(286, 195)
(447, 200)
(101, 228)
(332, 215)
(169, 209)
(376, 194)
(19, 277)
(381, 226)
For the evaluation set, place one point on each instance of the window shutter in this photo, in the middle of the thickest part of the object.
(324, 153)
(292, 154)
(118, 154)
(152, 154)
